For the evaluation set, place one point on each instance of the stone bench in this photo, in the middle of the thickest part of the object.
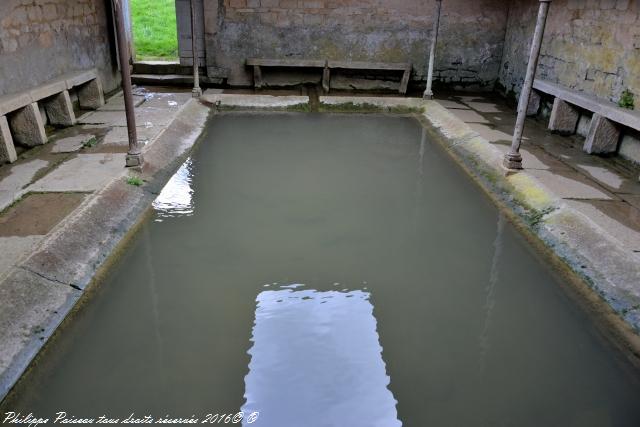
(604, 130)
(21, 119)
(257, 64)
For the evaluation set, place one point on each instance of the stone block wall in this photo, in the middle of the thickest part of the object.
(43, 39)
(589, 45)
(469, 54)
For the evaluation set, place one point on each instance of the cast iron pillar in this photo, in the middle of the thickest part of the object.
(196, 92)
(134, 155)
(428, 93)
(513, 159)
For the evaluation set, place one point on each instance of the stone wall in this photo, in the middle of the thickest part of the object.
(589, 45)
(469, 54)
(42, 39)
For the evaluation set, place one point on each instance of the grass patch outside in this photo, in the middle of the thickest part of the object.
(155, 34)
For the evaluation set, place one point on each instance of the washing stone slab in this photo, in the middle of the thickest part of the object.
(469, 116)
(72, 143)
(14, 249)
(620, 219)
(86, 172)
(570, 185)
(451, 104)
(31, 308)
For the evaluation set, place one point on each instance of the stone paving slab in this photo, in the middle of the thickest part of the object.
(20, 175)
(619, 218)
(72, 143)
(633, 200)
(32, 308)
(14, 249)
(570, 185)
(38, 213)
(116, 103)
(85, 172)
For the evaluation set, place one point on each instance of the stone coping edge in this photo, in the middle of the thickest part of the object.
(39, 293)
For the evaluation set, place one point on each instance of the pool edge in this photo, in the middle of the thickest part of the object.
(54, 280)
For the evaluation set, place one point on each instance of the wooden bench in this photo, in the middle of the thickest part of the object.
(327, 66)
(604, 131)
(20, 117)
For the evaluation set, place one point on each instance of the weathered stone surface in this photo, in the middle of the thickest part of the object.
(9, 103)
(588, 46)
(47, 90)
(367, 30)
(603, 136)
(7, 150)
(534, 103)
(630, 148)
(44, 40)
(32, 307)
(96, 170)
(27, 127)
(72, 143)
(60, 110)
(564, 117)
(90, 95)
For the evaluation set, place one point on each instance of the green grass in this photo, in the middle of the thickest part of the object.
(154, 29)
(135, 181)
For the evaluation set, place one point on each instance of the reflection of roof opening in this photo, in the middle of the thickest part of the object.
(176, 198)
(316, 361)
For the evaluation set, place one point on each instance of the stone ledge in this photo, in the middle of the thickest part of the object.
(253, 101)
(40, 292)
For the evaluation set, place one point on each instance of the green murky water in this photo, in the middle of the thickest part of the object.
(331, 270)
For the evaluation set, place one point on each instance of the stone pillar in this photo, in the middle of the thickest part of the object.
(90, 95)
(603, 136)
(7, 149)
(513, 159)
(428, 92)
(196, 92)
(564, 118)
(60, 110)
(534, 104)
(27, 127)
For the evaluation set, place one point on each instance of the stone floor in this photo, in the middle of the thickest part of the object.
(49, 182)
(605, 189)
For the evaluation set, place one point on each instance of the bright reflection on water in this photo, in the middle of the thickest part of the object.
(176, 198)
(329, 341)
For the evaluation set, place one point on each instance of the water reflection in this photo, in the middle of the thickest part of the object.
(490, 301)
(176, 198)
(316, 361)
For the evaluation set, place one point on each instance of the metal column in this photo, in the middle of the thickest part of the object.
(513, 159)
(428, 93)
(196, 92)
(134, 155)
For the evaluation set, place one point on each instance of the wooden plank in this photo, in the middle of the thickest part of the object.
(605, 108)
(359, 65)
(311, 63)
